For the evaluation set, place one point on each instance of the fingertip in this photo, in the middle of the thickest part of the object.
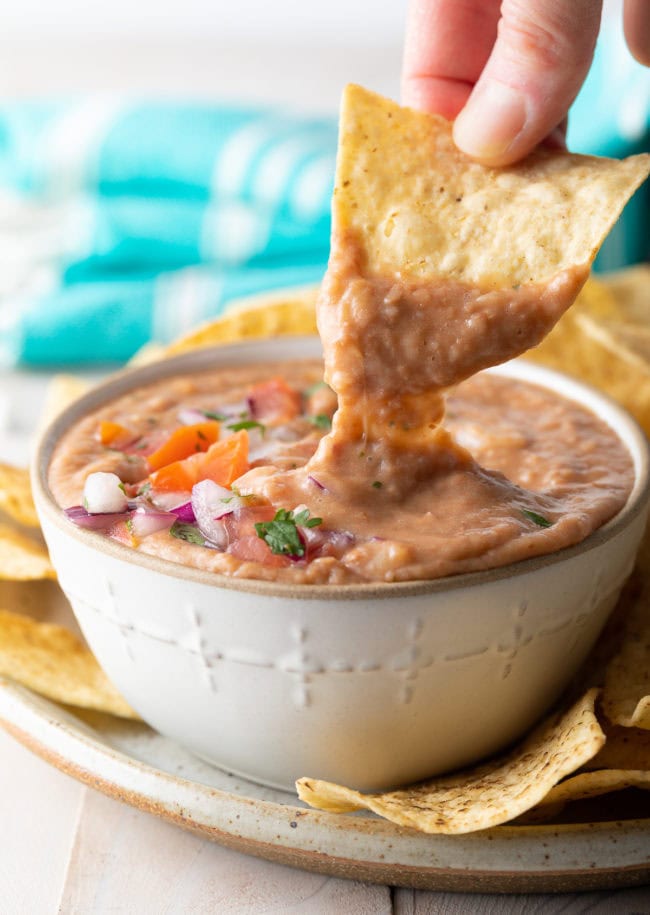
(490, 128)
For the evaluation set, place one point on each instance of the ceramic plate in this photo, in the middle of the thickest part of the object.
(129, 761)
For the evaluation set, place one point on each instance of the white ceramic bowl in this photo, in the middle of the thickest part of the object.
(371, 685)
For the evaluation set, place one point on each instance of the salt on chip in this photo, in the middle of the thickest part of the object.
(16, 495)
(422, 209)
(487, 795)
(50, 660)
(271, 315)
(21, 557)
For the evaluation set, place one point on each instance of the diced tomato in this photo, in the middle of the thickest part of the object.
(255, 549)
(273, 402)
(122, 532)
(114, 434)
(241, 522)
(223, 462)
(184, 442)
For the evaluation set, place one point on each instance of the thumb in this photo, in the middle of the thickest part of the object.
(539, 61)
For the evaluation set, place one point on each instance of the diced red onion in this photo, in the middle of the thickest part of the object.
(320, 542)
(317, 483)
(95, 521)
(209, 508)
(184, 513)
(146, 522)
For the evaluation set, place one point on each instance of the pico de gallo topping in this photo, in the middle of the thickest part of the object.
(189, 474)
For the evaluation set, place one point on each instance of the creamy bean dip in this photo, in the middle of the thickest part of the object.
(511, 459)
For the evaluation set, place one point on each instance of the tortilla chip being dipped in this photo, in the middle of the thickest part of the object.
(491, 793)
(422, 209)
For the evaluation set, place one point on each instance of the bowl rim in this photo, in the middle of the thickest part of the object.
(305, 347)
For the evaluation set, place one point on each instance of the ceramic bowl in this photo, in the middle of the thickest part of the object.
(372, 685)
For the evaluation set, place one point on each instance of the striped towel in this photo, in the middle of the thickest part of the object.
(124, 222)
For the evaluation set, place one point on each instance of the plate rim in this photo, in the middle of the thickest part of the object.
(18, 705)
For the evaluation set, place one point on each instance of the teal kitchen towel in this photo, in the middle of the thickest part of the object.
(121, 222)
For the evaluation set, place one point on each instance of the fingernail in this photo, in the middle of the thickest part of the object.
(491, 121)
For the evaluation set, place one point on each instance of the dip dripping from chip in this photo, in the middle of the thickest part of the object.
(440, 267)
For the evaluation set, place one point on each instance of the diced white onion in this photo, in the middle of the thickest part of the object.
(211, 503)
(104, 492)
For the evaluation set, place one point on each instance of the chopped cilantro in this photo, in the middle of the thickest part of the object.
(122, 487)
(129, 525)
(281, 534)
(539, 520)
(247, 424)
(144, 489)
(86, 503)
(220, 417)
(377, 484)
(321, 420)
(187, 532)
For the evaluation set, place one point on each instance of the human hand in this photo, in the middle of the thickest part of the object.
(506, 71)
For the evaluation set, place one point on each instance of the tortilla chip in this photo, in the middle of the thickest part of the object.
(487, 795)
(605, 341)
(16, 495)
(53, 662)
(271, 315)
(21, 558)
(61, 392)
(593, 784)
(422, 209)
(626, 694)
(626, 748)
(631, 290)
